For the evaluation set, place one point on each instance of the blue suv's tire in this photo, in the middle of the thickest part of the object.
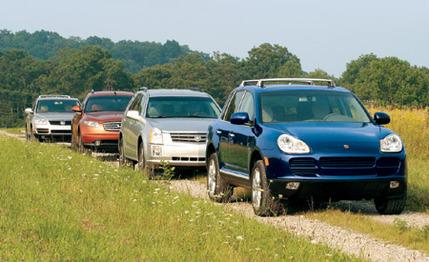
(263, 202)
(393, 206)
(218, 190)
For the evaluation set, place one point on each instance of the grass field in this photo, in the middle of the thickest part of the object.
(15, 130)
(60, 205)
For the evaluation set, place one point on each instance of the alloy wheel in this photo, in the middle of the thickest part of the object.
(256, 188)
(212, 178)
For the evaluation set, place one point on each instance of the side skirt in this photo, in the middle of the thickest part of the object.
(235, 178)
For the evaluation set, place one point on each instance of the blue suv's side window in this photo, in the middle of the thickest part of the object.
(247, 105)
(233, 105)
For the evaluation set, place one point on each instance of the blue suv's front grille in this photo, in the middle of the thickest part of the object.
(303, 166)
(346, 162)
(343, 166)
(387, 166)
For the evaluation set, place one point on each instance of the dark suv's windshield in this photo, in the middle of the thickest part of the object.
(178, 106)
(55, 106)
(107, 103)
(311, 105)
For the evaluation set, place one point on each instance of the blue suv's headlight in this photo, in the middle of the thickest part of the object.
(292, 145)
(391, 144)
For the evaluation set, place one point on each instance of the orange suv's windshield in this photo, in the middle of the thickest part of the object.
(106, 103)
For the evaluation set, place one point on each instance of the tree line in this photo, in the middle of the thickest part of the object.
(76, 71)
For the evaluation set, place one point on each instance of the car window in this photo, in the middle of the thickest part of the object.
(55, 106)
(311, 105)
(181, 107)
(136, 103)
(233, 105)
(247, 105)
(107, 103)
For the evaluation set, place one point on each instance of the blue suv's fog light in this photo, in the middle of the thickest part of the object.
(394, 184)
(292, 185)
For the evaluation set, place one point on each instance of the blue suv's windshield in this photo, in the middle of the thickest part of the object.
(327, 106)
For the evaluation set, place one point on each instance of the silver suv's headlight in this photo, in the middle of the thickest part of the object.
(41, 121)
(91, 123)
(391, 143)
(156, 136)
(292, 145)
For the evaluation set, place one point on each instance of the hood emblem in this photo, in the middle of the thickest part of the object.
(197, 138)
(62, 123)
(346, 147)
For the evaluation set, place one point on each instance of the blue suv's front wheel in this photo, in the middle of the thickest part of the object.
(217, 188)
(263, 202)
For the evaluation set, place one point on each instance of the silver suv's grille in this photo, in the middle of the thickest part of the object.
(60, 122)
(112, 126)
(189, 137)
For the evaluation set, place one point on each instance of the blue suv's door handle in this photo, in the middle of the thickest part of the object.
(231, 135)
(218, 132)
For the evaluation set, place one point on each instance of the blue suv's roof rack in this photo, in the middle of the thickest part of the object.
(308, 81)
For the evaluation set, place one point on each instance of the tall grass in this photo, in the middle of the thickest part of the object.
(59, 205)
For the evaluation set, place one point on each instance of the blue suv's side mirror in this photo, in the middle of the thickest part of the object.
(381, 118)
(239, 118)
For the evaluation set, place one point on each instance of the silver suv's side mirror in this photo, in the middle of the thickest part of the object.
(133, 114)
(28, 111)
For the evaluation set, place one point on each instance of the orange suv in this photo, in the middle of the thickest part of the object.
(96, 126)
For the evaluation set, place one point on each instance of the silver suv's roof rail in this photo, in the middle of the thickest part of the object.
(54, 96)
(308, 81)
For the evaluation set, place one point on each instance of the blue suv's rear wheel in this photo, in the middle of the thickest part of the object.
(218, 190)
(263, 202)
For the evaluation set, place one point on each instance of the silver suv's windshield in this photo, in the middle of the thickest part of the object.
(311, 105)
(181, 106)
(55, 106)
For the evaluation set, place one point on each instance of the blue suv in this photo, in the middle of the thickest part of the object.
(300, 138)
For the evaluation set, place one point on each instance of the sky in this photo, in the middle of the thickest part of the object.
(323, 34)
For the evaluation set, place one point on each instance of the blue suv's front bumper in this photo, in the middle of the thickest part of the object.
(345, 177)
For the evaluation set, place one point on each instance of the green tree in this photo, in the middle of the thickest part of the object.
(269, 60)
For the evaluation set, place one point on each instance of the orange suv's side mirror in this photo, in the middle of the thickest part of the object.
(76, 109)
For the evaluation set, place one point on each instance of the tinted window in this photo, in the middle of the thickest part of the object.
(247, 105)
(178, 106)
(55, 106)
(233, 105)
(311, 106)
(106, 103)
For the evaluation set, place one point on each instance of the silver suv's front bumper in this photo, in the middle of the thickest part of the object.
(179, 150)
(51, 130)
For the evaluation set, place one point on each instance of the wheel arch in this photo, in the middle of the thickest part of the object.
(210, 149)
(255, 156)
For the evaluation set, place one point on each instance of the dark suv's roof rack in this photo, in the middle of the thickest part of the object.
(308, 81)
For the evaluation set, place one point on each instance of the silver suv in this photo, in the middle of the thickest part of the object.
(166, 125)
(50, 117)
